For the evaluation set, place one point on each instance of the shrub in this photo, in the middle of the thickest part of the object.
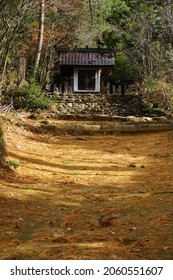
(158, 94)
(30, 97)
(153, 112)
(13, 164)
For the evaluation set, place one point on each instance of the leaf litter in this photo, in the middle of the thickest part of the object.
(86, 197)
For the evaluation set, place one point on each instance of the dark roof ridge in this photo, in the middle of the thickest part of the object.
(85, 50)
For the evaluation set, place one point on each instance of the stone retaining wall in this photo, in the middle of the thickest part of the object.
(76, 128)
(99, 104)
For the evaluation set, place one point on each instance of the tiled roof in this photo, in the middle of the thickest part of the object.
(86, 57)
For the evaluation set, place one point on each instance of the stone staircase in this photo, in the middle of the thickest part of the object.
(99, 104)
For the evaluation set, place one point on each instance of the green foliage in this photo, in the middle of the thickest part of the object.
(135, 27)
(159, 94)
(153, 112)
(30, 97)
(124, 72)
(13, 164)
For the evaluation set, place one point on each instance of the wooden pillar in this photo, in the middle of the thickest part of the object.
(65, 87)
(55, 89)
(108, 88)
(69, 89)
(60, 88)
(21, 71)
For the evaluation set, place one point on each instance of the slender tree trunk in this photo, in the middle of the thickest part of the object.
(3, 76)
(168, 14)
(91, 11)
(11, 29)
(40, 36)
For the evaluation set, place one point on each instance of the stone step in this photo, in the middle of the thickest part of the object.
(94, 104)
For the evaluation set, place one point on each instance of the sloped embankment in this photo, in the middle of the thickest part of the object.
(103, 125)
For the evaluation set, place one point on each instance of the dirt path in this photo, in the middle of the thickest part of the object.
(87, 197)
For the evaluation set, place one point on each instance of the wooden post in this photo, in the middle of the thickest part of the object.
(22, 71)
(119, 89)
(60, 88)
(108, 88)
(113, 89)
(65, 87)
(55, 88)
(70, 89)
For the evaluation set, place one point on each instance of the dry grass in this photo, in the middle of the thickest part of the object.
(86, 197)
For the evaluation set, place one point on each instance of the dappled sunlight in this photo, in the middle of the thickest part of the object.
(89, 197)
(79, 164)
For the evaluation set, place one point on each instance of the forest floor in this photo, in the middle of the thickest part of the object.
(106, 197)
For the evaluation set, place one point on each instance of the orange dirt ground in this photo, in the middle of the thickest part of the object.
(107, 197)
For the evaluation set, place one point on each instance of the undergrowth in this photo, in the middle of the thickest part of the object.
(158, 95)
(30, 97)
(13, 164)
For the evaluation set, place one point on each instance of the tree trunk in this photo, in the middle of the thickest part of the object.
(3, 76)
(91, 11)
(40, 36)
(168, 13)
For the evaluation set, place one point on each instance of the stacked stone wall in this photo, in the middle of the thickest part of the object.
(99, 104)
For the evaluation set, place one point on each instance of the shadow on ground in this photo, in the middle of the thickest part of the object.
(95, 197)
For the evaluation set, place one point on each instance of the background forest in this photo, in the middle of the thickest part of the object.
(140, 33)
